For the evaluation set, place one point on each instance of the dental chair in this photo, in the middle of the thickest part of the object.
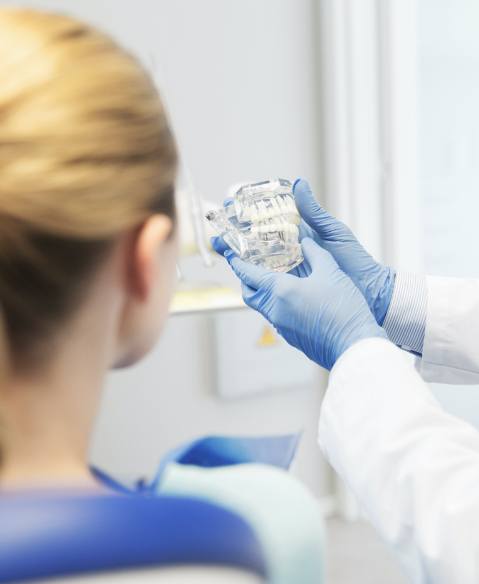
(90, 539)
(218, 510)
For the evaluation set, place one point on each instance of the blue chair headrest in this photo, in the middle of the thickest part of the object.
(48, 535)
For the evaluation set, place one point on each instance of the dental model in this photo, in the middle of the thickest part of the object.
(260, 224)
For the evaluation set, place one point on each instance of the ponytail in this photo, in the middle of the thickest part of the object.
(4, 360)
(4, 348)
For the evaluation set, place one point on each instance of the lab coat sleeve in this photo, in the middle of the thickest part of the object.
(413, 467)
(451, 342)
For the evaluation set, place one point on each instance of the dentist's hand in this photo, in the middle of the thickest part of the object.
(375, 281)
(322, 314)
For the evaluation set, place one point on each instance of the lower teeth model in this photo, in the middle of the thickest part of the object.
(260, 224)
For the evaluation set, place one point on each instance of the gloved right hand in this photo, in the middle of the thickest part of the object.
(322, 314)
(375, 281)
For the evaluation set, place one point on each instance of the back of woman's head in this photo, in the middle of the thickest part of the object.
(85, 154)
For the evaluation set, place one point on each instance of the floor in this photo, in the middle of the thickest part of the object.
(356, 555)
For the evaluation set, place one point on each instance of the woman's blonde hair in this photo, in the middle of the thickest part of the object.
(85, 154)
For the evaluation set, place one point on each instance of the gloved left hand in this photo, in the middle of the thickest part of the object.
(322, 314)
(374, 280)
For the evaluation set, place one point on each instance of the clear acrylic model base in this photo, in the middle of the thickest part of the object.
(260, 224)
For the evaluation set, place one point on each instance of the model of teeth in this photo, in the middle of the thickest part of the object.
(261, 224)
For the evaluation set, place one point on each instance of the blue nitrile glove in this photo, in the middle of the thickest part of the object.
(322, 314)
(375, 281)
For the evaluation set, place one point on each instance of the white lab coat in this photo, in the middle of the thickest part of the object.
(413, 467)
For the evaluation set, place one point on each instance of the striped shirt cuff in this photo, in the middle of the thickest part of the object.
(405, 322)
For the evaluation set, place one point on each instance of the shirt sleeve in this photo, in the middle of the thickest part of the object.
(405, 321)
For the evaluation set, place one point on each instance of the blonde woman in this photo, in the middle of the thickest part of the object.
(88, 245)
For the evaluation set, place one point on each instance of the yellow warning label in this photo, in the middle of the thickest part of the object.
(268, 337)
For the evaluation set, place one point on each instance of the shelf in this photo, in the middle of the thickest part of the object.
(206, 299)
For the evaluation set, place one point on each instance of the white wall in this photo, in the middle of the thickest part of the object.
(239, 80)
(237, 76)
(448, 76)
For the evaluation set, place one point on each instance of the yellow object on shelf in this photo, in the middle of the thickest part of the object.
(268, 337)
(206, 299)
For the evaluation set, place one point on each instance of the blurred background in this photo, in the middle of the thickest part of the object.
(375, 102)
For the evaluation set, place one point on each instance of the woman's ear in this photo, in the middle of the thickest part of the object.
(150, 256)
(147, 244)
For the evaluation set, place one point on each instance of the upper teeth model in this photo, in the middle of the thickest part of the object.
(261, 223)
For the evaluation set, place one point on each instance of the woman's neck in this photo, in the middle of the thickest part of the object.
(45, 429)
(46, 419)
